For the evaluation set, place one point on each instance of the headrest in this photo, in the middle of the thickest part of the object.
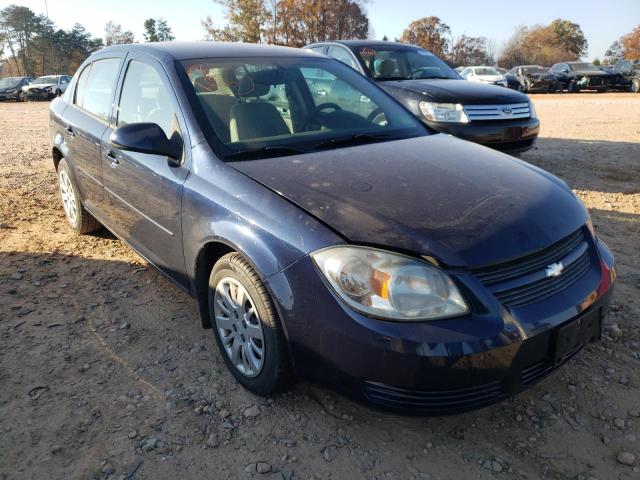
(387, 68)
(247, 87)
(205, 83)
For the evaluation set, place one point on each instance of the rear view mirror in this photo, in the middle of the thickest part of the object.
(147, 138)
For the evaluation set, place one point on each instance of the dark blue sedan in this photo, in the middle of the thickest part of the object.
(326, 233)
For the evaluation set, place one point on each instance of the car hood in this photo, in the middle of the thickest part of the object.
(456, 91)
(589, 73)
(40, 85)
(489, 78)
(464, 204)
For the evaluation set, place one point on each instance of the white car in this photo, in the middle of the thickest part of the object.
(488, 75)
(48, 87)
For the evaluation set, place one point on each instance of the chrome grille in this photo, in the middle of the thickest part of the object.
(524, 281)
(497, 112)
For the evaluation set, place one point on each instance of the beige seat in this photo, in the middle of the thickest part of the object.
(252, 119)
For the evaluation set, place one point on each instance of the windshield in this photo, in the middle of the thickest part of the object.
(534, 70)
(9, 82)
(486, 71)
(396, 62)
(584, 66)
(45, 80)
(264, 107)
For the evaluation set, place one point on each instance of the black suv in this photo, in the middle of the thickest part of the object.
(576, 76)
(493, 116)
(625, 75)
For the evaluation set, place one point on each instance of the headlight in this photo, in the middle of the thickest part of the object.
(443, 112)
(532, 110)
(389, 285)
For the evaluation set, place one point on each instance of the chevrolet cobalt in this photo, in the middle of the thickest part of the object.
(326, 233)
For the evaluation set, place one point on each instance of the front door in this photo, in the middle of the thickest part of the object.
(145, 191)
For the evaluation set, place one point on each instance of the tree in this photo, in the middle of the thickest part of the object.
(614, 53)
(36, 47)
(150, 34)
(18, 25)
(429, 33)
(300, 22)
(596, 62)
(157, 31)
(114, 35)
(559, 41)
(246, 22)
(164, 31)
(289, 22)
(631, 44)
(470, 51)
(570, 37)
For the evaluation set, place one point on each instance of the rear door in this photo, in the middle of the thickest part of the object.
(86, 121)
(145, 191)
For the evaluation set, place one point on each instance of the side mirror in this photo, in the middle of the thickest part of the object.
(565, 70)
(147, 138)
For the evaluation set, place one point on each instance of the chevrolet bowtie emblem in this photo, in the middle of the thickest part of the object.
(554, 269)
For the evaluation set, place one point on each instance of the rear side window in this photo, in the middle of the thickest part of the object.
(343, 56)
(145, 98)
(81, 85)
(96, 85)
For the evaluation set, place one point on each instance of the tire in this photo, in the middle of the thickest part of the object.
(78, 218)
(635, 86)
(571, 87)
(21, 97)
(274, 374)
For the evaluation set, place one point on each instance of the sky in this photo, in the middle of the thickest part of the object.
(602, 21)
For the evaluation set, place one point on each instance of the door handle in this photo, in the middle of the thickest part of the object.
(70, 132)
(113, 160)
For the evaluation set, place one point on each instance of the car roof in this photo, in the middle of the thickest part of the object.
(191, 50)
(365, 43)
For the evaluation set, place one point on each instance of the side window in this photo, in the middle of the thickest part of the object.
(317, 48)
(329, 89)
(145, 98)
(81, 86)
(98, 89)
(342, 55)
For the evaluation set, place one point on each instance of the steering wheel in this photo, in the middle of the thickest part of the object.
(316, 111)
(373, 116)
(420, 69)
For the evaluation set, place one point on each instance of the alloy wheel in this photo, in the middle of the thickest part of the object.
(67, 194)
(239, 326)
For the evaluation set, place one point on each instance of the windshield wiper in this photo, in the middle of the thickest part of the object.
(264, 152)
(357, 139)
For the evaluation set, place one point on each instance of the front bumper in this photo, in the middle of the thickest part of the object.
(511, 136)
(436, 367)
(9, 96)
(37, 93)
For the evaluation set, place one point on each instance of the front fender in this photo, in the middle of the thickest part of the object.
(220, 204)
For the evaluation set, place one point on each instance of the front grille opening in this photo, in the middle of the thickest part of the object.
(435, 401)
(523, 281)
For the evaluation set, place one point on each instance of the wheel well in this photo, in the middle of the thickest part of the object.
(207, 257)
(57, 156)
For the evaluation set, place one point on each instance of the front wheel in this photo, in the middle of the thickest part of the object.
(572, 87)
(635, 86)
(21, 97)
(247, 328)
(78, 218)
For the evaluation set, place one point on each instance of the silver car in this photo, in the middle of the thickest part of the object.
(47, 87)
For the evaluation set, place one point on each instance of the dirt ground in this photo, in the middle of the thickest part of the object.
(106, 373)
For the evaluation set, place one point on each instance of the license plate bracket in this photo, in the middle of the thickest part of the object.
(574, 335)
